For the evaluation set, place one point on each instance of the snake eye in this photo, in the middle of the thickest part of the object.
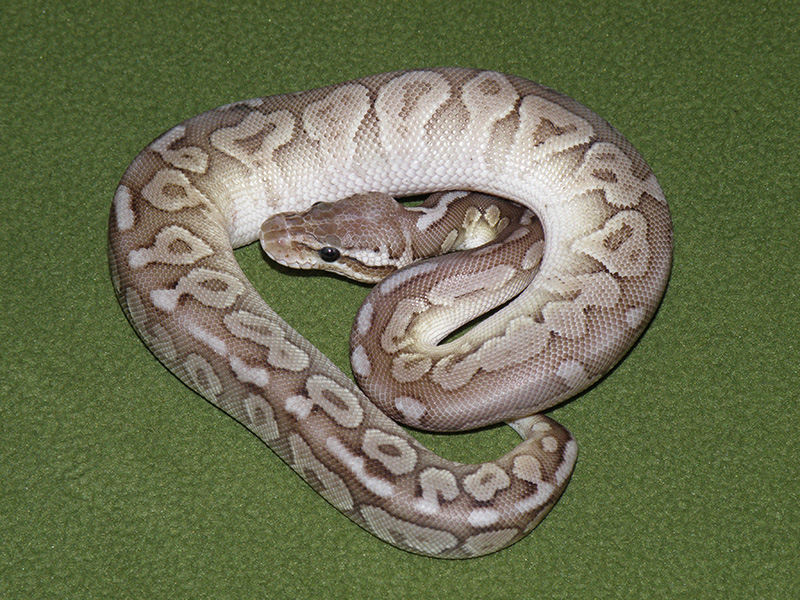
(329, 254)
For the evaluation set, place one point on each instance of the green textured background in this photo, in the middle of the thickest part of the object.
(118, 482)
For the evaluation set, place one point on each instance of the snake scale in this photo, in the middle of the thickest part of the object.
(206, 186)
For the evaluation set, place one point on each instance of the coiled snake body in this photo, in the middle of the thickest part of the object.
(207, 185)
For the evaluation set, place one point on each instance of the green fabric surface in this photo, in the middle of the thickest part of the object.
(116, 481)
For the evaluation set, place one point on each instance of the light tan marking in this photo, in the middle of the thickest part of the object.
(480, 543)
(411, 408)
(172, 191)
(404, 106)
(436, 484)
(174, 245)
(123, 209)
(357, 466)
(396, 531)
(621, 245)
(334, 120)
(214, 289)
(484, 483)
(255, 139)
(262, 417)
(282, 353)
(188, 158)
(249, 374)
(360, 362)
(331, 486)
(391, 451)
(339, 403)
(547, 129)
(410, 367)
(528, 468)
(198, 373)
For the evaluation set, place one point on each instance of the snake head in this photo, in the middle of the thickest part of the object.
(361, 237)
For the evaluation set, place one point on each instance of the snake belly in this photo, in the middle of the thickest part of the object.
(205, 186)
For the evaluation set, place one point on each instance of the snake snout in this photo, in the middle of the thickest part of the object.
(274, 237)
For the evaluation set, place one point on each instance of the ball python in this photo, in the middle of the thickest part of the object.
(206, 186)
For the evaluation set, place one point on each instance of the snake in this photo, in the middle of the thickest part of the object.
(584, 285)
